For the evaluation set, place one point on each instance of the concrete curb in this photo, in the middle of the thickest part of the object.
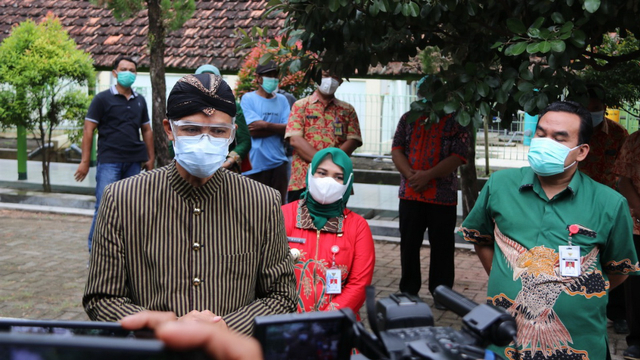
(383, 223)
(47, 209)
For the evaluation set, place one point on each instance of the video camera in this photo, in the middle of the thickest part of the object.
(24, 339)
(402, 327)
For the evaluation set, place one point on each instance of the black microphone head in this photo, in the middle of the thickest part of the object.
(505, 332)
(453, 300)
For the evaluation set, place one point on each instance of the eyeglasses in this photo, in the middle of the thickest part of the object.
(191, 128)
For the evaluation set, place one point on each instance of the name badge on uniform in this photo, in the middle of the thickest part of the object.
(334, 281)
(569, 260)
(296, 240)
(338, 128)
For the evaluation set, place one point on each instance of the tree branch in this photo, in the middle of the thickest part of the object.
(589, 58)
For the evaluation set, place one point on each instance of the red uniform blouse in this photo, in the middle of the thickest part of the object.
(355, 257)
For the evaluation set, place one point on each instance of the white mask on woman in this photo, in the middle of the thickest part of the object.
(326, 190)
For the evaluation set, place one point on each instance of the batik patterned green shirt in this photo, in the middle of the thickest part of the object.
(558, 317)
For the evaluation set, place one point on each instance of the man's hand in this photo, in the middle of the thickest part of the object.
(228, 163)
(149, 164)
(259, 125)
(419, 180)
(81, 173)
(218, 342)
(147, 319)
(261, 128)
(203, 316)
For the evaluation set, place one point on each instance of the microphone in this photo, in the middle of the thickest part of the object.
(453, 300)
(487, 322)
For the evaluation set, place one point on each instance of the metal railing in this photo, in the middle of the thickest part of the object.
(379, 114)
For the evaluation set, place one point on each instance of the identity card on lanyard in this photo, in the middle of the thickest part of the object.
(570, 256)
(334, 275)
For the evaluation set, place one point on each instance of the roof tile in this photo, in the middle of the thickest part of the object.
(206, 38)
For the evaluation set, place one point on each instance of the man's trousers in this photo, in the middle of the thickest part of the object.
(440, 221)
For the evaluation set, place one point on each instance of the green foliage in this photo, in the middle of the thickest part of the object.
(292, 78)
(174, 12)
(122, 9)
(504, 58)
(621, 80)
(41, 72)
(162, 15)
(432, 60)
(38, 64)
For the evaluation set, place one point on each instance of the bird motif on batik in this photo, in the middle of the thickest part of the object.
(541, 333)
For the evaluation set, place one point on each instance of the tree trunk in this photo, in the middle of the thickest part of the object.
(50, 154)
(46, 181)
(156, 37)
(469, 177)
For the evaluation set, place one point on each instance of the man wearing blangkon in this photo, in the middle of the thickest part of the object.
(192, 237)
(529, 224)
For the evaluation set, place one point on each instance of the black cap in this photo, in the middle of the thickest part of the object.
(266, 68)
(204, 93)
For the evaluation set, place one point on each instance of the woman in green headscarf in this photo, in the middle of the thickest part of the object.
(332, 246)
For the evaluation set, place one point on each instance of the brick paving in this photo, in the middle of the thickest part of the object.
(43, 261)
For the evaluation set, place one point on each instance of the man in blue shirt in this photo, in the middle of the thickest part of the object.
(119, 114)
(266, 113)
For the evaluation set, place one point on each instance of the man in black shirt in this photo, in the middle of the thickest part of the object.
(119, 114)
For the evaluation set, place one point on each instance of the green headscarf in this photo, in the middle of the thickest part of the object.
(322, 213)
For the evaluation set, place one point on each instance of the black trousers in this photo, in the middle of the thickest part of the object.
(440, 220)
(294, 195)
(632, 292)
(616, 307)
(275, 178)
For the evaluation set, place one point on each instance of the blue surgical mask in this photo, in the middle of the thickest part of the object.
(126, 78)
(202, 155)
(597, 117)
(270, 85)
(546, 156)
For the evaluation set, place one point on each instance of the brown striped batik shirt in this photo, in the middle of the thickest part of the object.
(162, 244)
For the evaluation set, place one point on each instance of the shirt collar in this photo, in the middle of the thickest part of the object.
(315, 98)
(605, 126)
(530, 181)
(186, 190)
(115, 92)
(305, 221)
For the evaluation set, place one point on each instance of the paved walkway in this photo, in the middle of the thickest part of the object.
(43, 270)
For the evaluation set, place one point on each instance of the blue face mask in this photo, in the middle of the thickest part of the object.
(200, 156)
(547, 156)
(126, 78)
(597, 117)
(270, 85)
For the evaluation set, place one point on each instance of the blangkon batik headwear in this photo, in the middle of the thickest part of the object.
(205, 93)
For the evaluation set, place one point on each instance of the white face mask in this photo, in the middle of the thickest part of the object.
(326, 190)
(328, 86)
(200, 155)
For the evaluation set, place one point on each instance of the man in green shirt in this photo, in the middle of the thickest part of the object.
(554, 242)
